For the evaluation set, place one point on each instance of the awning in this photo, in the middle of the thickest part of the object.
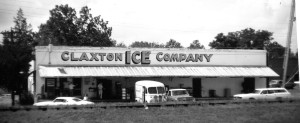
(125, 71)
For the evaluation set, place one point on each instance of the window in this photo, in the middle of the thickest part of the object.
(180, 92)
(156, 90)
(264, 92)
(76, 99)
(60, 100)
(270, 91)
(161, 90)
(280, 91)
(257, 91)
(152, 90)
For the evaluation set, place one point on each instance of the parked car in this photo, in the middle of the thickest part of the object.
(64, 101)
(265, 94)
(278, 84)
(179, 95)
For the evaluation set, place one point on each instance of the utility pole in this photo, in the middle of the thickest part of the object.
(287, 49)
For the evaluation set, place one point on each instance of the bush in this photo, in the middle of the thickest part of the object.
(26, 98)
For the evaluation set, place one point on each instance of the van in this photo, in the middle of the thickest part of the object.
(148, 91)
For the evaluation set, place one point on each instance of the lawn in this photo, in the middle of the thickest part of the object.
(266, 113)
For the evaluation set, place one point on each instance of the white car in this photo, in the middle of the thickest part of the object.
(265, 94)
(179, 95)
(61, 101)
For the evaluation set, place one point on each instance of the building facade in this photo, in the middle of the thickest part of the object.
(205, 73)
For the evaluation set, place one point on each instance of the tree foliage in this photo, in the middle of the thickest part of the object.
(248, 39)
(65, 28)
(145, 44)
(196, 45)
(244, 39)
(173, 44)
(16, 53)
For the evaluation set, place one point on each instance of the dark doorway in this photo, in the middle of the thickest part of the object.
(118, 90)
(50, 87)
(77, 87)
(107, 88)
(248, 85)
(63, 87)
(197, 87)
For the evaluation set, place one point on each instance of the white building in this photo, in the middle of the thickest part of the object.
(206, 73)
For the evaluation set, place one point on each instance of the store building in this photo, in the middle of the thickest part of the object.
(206, 73)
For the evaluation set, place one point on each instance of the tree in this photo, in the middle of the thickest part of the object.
(16, 53)
(196, 45)
(275, 50)
(120, 45)
(65, 28)
(244, 39)
(173, 44)
(145, 44)
(248, 39)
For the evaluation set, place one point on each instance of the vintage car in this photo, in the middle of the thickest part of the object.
(62, 101)
(179, 95)
(265, 94)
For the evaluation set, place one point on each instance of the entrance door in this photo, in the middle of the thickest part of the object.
(50, 87)
(77, 87)
(197, 87)
(248, 85)
(63, 87)
(107, 88)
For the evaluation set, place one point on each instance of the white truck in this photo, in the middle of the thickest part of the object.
(148, 91)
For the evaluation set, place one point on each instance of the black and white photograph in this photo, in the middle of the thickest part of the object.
(149, 61)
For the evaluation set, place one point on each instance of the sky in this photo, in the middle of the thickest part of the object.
(162, 20)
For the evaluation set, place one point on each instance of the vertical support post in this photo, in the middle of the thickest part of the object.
(287, 49)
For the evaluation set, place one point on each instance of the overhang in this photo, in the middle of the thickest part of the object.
(156, 71)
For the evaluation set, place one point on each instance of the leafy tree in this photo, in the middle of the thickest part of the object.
(248, 39)
(16, 53)
(275, 50)
(145, 44)
(244, 39)
(65, 28)
(115, 44)
(196, 45)
(120, 45)
(173, 44)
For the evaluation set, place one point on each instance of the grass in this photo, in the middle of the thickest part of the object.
(267, 113)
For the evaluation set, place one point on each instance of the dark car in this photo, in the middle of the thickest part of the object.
(279, 83)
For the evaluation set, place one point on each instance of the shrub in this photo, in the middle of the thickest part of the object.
(26, 98)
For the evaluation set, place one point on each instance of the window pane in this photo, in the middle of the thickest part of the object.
(160, 90)
(152, 90)
(264, 92)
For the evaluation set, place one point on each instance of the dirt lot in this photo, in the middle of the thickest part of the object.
(267, 113)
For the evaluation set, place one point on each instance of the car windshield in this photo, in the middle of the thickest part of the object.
(160, 90)
(179, 92)
(156, 90)
(257, 91)
(152, 90)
